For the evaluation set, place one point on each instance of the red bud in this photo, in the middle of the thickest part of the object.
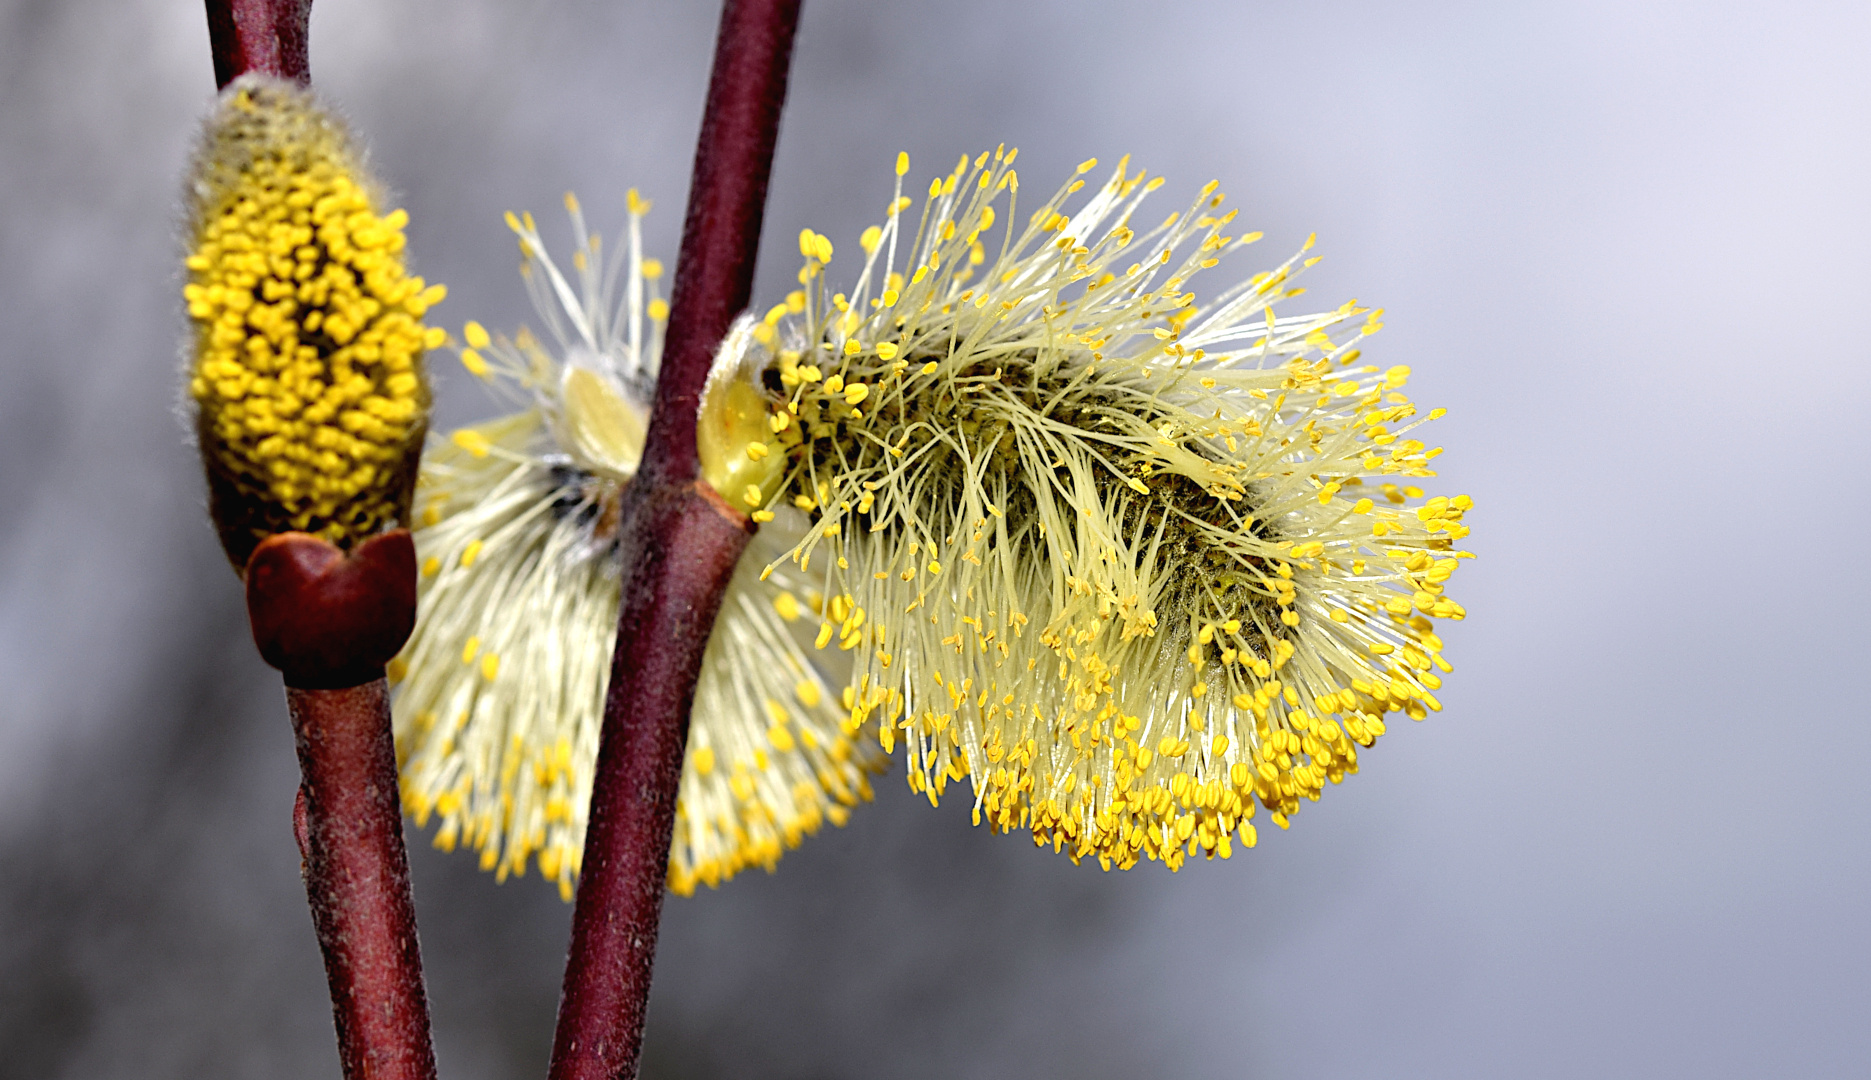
(326, 619)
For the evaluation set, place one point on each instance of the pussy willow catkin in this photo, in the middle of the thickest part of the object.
(1131, 564)
(306, 367)
(502, 686)
(1127, 562)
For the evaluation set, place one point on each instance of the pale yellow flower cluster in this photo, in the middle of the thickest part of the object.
(1132, 564)
(502, 686)
(1129, 563)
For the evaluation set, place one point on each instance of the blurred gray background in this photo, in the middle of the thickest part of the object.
(1626, 244)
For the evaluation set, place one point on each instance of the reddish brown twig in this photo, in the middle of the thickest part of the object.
(330, 622)
(267, 36)
(680, 542)
(727, 201)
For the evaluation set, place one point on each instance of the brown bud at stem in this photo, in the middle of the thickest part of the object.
(326, 619)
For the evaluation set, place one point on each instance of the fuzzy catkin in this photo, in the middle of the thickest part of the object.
(306, 361)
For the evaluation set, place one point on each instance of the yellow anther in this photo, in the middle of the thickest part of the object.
(472, 441)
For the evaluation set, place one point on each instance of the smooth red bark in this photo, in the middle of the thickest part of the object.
(721, 233)
(267, 36)
(357, 881)
(680, 547)
(679, 542)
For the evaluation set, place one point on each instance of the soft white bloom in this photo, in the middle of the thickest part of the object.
(503, 683)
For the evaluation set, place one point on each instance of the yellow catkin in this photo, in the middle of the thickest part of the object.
(1113, 545)
(306, 371)
(497, 719)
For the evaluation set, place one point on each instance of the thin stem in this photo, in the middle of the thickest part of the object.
(681, 547)
(329, 621)
(258, 35)
(721, 234)
(357, 881)
(679, 541)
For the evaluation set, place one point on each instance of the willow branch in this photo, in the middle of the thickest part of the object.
(679, 541)
(329, 622)
(267, 36)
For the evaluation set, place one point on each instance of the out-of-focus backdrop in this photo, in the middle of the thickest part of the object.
(1626, 244)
